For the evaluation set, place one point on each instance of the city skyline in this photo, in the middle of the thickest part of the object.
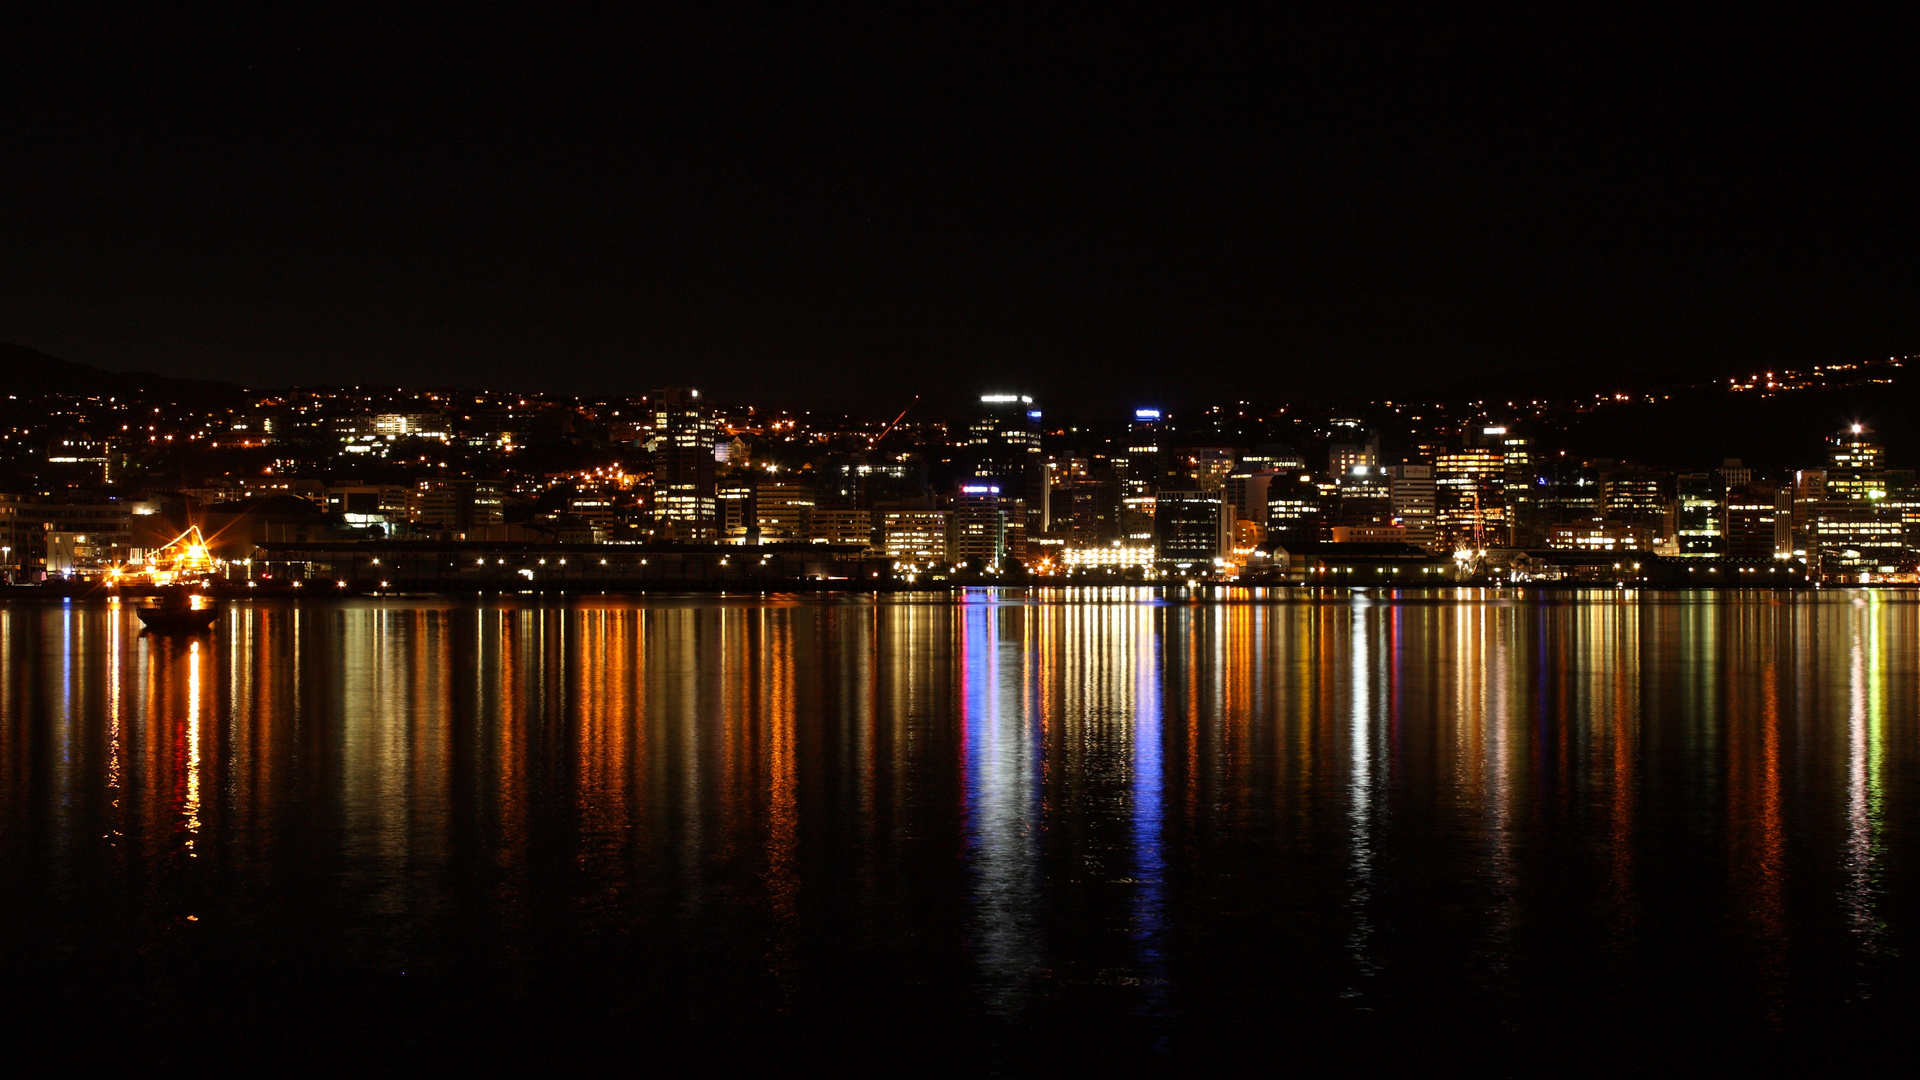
(341, 487)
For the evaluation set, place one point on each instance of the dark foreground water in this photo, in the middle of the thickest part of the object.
(997, 833)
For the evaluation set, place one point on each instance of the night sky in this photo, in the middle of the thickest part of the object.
(791, 210)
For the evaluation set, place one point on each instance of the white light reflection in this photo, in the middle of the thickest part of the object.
(1360, 793)
(1003, 810)
(1863, 779)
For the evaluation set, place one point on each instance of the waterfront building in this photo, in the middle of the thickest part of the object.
(841, 527)
(455, 507)
(23, 540)
(1600, 535)
(1517, 480)
(1308, 562)
(782, 507)
(1143, 464)
(734, 497)
(1759, 522)
(1631, 493)
(1855, 466)
(1295, 512)
(1189, 531)
(1093, 508)
(682, 445)
(1364, 498)
(977, 528)
(1410, 494)
(1469, 496)
(1699, 513)
(1114, 556)
(914, 537)
(1003, 445)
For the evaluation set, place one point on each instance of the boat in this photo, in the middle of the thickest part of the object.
(178, 613)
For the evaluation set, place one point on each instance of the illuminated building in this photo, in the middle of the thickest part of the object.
(23, 555)
(1517, 478)
(1352, 445)
(1855, 466)
(1365, 498)
(1310, 562)
(368, 505)
(1368, 534)
(1113, 556)
(914, 537)
(1469, 497)
(1600, 536)
(682, 442)
(1190, 530)
(1699, 514)
(1004, 444)
(1093, 508)
(1246, 494)
(977, 528)
(1635, 494)
(1855, 534)
(782, 508)
(1208, 466)
(455, 506)
(1903, 501)
(1294, 510)
(85, 533)
(1410, 493)
(841, 526)
(1759, 522)
(396, 426)
(734, 497)
(1143, 467)
(1271, 456)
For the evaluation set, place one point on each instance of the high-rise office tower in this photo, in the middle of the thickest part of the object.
(1188, 530)
(681, 441)
(1003, 441)
(1759, 522)
(1365, 498)
(977, 527)
(1295, 512)
(1470, 497)
(1700, 513)
(1856, 466)
(1140, 479)
(1411, 495)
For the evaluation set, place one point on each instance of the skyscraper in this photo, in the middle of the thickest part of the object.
(1004, 443)
(977, 529)
(1410, 490)
(1700, 513)
(1188, 530)
(681, 442)
(1856, 466)
(1141, 475)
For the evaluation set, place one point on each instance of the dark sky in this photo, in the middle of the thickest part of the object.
(810, 211)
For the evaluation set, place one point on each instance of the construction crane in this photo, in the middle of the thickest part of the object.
(875, 441)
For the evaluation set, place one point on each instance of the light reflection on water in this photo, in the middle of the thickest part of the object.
(1061, 814)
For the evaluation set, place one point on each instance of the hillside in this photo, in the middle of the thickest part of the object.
(25, 371)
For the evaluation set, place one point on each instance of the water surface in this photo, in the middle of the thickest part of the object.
(1001, 832)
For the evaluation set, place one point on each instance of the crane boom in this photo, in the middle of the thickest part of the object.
(875, 441)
